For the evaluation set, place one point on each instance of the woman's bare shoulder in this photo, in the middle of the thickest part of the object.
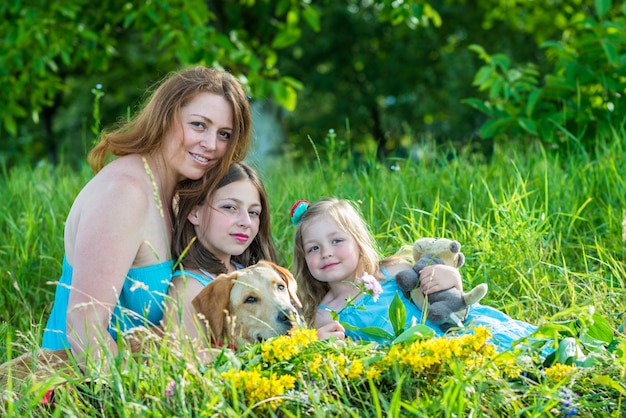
(123, 179)
(111, 195)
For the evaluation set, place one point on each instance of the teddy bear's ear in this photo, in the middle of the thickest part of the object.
(460, 260)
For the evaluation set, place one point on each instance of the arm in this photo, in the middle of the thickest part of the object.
(180, 315)
(103, 235)
(438, 277)
(331, 329)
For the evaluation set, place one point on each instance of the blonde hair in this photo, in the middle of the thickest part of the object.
(344, 213)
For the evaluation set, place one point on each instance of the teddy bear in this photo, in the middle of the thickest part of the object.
(447, 308)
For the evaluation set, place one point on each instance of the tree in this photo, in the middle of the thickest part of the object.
(52, 49)
(394, 85)
(55, 53)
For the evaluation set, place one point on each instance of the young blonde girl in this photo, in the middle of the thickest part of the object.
(333, 248)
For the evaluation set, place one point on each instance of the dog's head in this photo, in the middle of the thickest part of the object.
(249, 305)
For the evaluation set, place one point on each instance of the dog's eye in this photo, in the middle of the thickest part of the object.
(250, 299)
(281, 287)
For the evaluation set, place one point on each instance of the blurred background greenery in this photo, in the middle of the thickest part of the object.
(386, 75)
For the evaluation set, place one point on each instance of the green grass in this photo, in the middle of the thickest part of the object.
(544, 231)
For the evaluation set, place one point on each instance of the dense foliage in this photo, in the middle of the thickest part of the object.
(578, 100)
(54, 53)
(387, 74)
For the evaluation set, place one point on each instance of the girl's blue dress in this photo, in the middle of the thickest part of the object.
(204, 278)
(504, 329)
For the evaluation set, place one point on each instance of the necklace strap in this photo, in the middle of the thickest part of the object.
(207, 274)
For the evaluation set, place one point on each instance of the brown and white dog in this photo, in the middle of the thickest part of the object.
(249, 305)
(246, 306)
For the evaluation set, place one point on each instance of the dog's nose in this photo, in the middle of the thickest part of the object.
(286, 315)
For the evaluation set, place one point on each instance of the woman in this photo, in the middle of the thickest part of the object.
(117, 264)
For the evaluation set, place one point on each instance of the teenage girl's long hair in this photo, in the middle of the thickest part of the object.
(197, 256)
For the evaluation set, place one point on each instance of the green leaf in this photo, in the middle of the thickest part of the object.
(602, 7)
(528, 125)
(282, 7)
(502, 61)
(10, 125)
(311, 17)
(284, 95)
(552, 44)
(290, 81)
(611, 53)
(610, 382)
(285, 38)
(165, 40)
(533, 97)
(554, 330)
(558, 83)
(397, 314)
(546, 130)
(416, 332)
(478, 105)
(376, 333)
(65, 57)
(496, 88)
(130, 18)
(483, 77)
(292, 18)
(601, 329)
(480, 51)
(494, 127)
(568, 351)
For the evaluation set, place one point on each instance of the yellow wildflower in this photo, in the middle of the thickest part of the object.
(355, 370)
(559, 372)
(373, 373)
(337, 364)
(303, 336)
(256, 387)
(430, 354)
(285, 347)
(315, 364)
(511, 370)
(481, 334)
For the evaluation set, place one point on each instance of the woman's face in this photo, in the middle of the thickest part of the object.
(199, 137)
(230, 222)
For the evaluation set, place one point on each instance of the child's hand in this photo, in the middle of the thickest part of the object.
(331, 329)
(438, 277)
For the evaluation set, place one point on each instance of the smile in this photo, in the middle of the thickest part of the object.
(199, 158)
(331, 265)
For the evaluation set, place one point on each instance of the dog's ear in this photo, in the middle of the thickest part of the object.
(292, 285)
(212, 303)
